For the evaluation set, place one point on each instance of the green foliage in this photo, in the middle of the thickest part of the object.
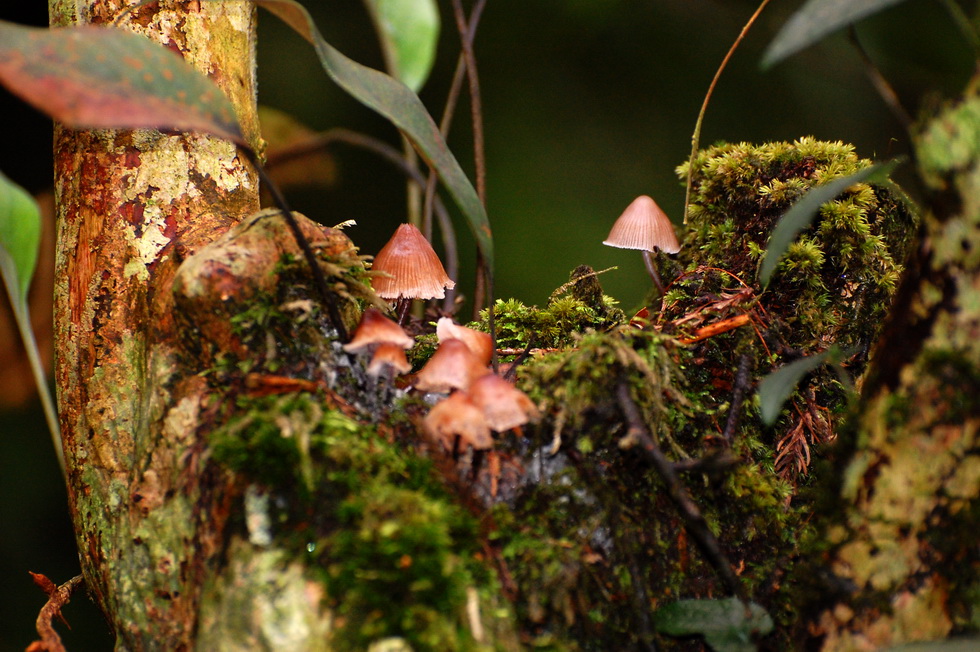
(815, 21)
(409, 32)
(803, 211)
(728, 625)
(397, 103)
(835, 283)
(576, 307)
(775, 388)
(20, 236)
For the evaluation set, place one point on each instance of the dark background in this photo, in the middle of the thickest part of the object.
(587, 103)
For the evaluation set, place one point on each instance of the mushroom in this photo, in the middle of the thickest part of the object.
(503, 405)
(376, 329)
(458, 416)
(644, 225)
(452, 366)
(388, 359)
(412, 270)
(478, 342)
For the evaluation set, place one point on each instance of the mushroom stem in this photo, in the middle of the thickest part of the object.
(402, 308)
(652, 271)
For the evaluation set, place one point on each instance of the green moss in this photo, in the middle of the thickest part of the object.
(395, 551)
(576, 307)
(835, 283)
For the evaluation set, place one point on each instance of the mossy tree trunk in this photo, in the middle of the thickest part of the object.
(902, 536)
(131, 206)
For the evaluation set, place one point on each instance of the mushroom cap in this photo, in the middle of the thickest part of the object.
(388, 356)
(414, 268)
(643, 225)
(503, 405)
(478, 342)
(452, 366)
(458, 415)
(375, 328)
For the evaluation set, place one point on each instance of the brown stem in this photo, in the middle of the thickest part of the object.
(319, 279)
(58, 597)
(695, 139)
(881, 84)
(652, 271)
(741, 384)
(689, 511)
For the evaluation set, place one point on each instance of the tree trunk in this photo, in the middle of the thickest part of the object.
(907, 503)
(131, 206)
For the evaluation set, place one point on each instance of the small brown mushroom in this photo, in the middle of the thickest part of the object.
(452, 366)
(478, 342)
(412, 270)
(376, 329)
(503, 405)
(644, 225)
(458, 416)
(388, 359)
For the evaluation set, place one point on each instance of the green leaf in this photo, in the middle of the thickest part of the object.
(397, 103)
(775, 388)
(409, 31)
(799, 217)
(20, 237)
(815, 20)
(727, 625)
(105, 78)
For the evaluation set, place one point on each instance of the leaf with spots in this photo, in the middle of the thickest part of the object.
(402, 107)
(104, 78)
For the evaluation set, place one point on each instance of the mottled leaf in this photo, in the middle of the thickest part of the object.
(409, 31)
(815, 20)
(396, 102)
(728, 625)
(802, 213)
(105, 78)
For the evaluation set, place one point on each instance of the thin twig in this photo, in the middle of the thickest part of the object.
(881, 84)
(319, 279)
(741, 384)
(696, 138)
(689, 511)
(476, 103)
(58, 597)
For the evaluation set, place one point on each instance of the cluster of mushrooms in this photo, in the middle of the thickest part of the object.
(477, 401)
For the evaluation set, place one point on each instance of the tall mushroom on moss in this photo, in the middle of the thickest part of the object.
(644, 225)
(412, 270)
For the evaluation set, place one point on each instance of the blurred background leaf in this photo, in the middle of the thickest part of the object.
(815, 20)
(409, 33)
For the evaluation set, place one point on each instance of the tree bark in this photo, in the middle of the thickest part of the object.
(131, 206)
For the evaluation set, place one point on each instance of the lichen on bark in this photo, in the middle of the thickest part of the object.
(908, 489)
